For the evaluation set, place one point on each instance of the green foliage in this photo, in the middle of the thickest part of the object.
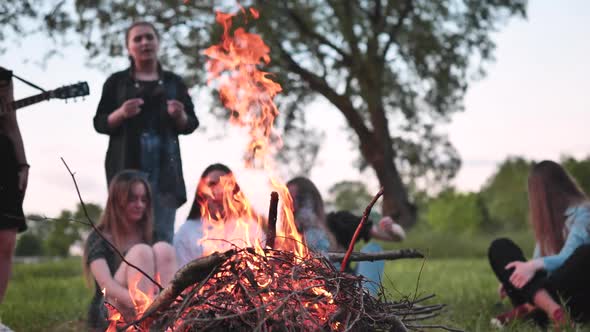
(451, 211)
(505, 194)
(580, 170)
(68, 228)
(29, 244)
(350, 196)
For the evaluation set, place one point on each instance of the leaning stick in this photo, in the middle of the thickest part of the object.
(358, 229)
(99, 233)
(376, 256)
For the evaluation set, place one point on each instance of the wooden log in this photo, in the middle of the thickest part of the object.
(375, 256)
(272, 219)
(192, 273)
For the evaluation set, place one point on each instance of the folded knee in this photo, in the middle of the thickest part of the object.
(164, 252)
(500, 245)
(141, 251)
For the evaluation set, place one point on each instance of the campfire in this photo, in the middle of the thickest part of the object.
(257, 273)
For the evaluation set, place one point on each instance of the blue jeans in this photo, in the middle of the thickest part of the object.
(372, 271)
(164, 214)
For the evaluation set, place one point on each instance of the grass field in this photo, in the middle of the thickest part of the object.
(52, 296)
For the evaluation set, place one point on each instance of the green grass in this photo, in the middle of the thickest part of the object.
(52, 296)
(49, 296)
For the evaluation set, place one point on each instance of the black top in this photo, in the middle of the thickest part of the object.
(123, 150)
(97, 248)
(343, 224)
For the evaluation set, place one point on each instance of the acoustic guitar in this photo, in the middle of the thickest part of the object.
(65, 92)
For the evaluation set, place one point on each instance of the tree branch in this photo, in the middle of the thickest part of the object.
(377, 256)
(408, 8)
(312, 33)
(320, 85)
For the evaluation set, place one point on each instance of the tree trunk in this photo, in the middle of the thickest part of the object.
(395, 197)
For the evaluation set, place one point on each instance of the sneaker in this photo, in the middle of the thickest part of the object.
(516, 313)
(4, 328)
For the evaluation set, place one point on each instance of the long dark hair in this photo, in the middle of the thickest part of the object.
(308, 207)
(551, 191)
(195, 211)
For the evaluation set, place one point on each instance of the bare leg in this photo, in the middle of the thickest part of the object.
(165, 262)
(142, 256)
(7, 242)
(544, 301)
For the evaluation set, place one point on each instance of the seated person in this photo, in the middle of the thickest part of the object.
(343, 224)
(310, 218)
(127, 224)
(210, 226)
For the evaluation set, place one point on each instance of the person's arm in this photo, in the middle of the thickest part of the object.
(115, 292)
(9, 126)
(577, 236)
(182, 110)
(109, 115)
(387, 230)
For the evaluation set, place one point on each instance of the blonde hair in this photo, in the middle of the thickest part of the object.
(113, 217)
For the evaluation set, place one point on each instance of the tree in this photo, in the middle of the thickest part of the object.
(29, 245)
(505, 193)
(457, 212)
(350, 196)
(579, 169)
(68, 229)
(393, 69)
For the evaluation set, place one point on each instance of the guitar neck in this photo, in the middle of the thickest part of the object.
(31, 100)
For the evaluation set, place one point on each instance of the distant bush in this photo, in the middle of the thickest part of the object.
(456, 212)
(29, 244)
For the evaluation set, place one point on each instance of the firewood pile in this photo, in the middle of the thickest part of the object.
(274, 290)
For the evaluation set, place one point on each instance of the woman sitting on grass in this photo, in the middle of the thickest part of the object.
(209, 227)
(310, 218)
(127, 224)
(556, 280)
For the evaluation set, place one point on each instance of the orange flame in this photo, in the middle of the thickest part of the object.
(248, 93)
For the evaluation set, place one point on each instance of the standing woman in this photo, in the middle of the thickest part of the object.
(143, 109)
(126, 223)
(556, 280)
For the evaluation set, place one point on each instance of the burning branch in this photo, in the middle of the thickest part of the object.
(358, 229)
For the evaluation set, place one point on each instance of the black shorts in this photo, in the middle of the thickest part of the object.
(11, 198)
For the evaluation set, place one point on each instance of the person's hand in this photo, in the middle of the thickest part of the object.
(175, 109)
(523, 272)
(23, 179)
(502, 291)
(131, 108)
(389, 226)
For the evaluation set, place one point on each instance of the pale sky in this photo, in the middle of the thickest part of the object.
(533, 103)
